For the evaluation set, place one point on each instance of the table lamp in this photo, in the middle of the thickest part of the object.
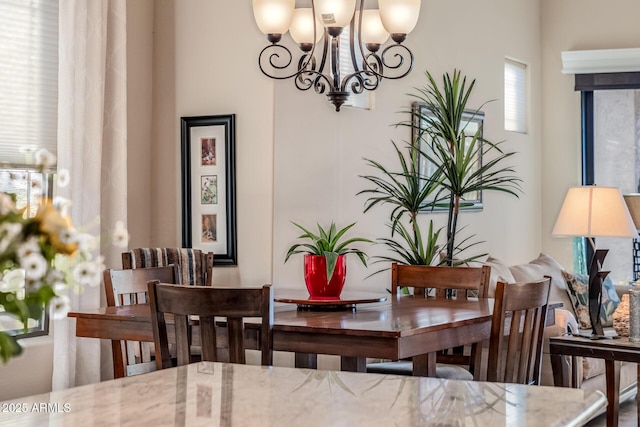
(591, 211)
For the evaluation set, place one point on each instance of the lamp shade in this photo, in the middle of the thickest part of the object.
(372, 29)
(335, 13)
(273, 16)
(399, 16)
(592, 211)
(301, 28)
(633, 203)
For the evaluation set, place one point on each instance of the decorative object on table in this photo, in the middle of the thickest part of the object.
(358, 71)
(42, 258)
(325, 266)
(591, 211)
(578, 290)
(347, 301)
(209, 186)
(633, 204)
(621, 317)
(634, 313)
(443, 168)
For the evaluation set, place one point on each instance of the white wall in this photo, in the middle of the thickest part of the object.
(319, 153)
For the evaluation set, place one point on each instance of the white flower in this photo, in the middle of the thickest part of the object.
(28, 248)
(13, 280)
(36, 182)
(55, 278)
(68, 236)
(45, 159)
(18, 178)
(87, 274)
(32, 285)
(120, 236)
(87, 242)
(63, 178)
(35, 266)
(60, 306)
(6, 204)
(61, 204)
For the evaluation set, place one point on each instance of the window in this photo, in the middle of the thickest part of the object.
(616, 163)
(610, 152)
(515, 96)
(28, 79)
(28, 110)
(362, 100)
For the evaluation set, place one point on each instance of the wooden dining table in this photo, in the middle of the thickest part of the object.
(397, 328)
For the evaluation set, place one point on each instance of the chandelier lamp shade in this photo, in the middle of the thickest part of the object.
(317, 30)
(591, 211)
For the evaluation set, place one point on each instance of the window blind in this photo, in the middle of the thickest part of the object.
(515, 100)
(28, 79)
(361, 100)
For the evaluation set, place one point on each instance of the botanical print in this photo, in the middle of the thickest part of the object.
(209, 227)
(208, 151)
(209, 189)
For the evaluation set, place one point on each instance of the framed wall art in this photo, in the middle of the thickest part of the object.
(472, 121)
(209, 186)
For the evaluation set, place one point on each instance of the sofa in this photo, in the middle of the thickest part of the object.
(590, 372)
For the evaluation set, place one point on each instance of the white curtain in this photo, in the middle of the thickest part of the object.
(92, 141)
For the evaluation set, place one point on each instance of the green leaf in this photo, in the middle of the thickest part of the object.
(9, 347)
(331, 260)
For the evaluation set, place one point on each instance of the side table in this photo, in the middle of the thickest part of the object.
(613, 351)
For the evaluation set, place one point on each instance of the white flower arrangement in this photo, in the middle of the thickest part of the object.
(42, 258)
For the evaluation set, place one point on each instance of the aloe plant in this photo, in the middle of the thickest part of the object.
(329, 243)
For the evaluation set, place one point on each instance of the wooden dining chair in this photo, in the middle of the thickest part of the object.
(517, 328)
(194, 266)
(440, 282)
(235, 304)
(124, 287)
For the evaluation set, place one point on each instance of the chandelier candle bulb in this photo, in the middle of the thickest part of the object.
(634, 313)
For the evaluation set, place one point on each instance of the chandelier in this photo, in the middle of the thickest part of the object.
(317, 32)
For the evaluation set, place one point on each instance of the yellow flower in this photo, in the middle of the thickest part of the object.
(53, 224)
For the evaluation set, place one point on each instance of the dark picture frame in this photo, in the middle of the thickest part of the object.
(208, 150)
(473, 120)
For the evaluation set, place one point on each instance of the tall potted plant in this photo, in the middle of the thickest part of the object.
(454, 152)
(325, 266)
(407, 193)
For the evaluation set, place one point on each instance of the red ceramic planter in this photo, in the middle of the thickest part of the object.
(315, 276)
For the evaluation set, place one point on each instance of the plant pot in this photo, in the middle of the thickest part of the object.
(315, 276)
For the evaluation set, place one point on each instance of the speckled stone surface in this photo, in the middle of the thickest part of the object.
(211, 394)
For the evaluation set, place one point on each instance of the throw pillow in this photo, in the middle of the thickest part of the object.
(578, 290)
(499, 272)
(553, 268)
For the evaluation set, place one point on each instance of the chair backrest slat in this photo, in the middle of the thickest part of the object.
(194, 266)
(422, 278)
(207, 302)
(515, 352)
(125, 287)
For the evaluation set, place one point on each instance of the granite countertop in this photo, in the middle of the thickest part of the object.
(241, 395)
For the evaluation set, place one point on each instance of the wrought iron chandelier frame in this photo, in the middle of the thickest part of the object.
(394, 62)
